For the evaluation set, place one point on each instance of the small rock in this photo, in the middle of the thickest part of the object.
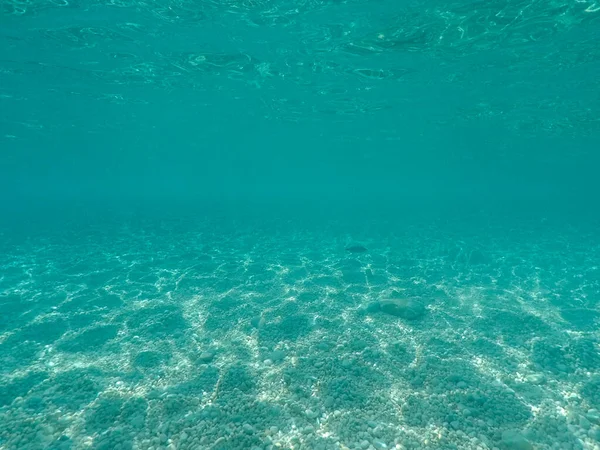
(584, 423)
(311, 414)
(137, 421)
(248, 429)
(514, 440)
(347, 363)
(206, 357)
(323, 346)
(478, 257)
(277, 356)
(593, 415)
(483, 438)
(561, 367)
(356, 249)
(536, 378)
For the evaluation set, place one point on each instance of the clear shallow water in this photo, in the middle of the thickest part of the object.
(181, 182)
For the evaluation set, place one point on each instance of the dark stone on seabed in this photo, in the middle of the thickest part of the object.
(478, 257)
(406, 308)
(356, 249)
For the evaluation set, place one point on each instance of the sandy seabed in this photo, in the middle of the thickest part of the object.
(157, 335)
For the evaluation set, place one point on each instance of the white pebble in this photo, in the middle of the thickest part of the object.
(536, 378)
(311, 414)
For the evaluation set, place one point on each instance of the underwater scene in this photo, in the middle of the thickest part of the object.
(299, 225)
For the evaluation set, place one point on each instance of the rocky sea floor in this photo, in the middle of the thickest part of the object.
(176, 335)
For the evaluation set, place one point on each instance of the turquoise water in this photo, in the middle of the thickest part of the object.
(320, 225)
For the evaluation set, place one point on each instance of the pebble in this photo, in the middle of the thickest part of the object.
(206, 357)
(248, 429)
(483, 438)
(584, 423)
(536, 378)
(514, 440)
(277, 355)
(593, 415)
(346, 363)
(311, 414)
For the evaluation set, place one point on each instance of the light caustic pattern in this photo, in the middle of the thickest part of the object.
(167, 337)
(525, 66)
